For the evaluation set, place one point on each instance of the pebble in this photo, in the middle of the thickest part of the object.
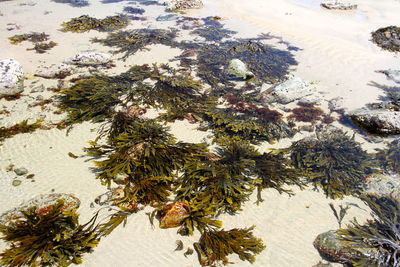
(21, 171)
(16, 182)
(37, 89)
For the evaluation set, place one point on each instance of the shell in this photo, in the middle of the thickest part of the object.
(172, 215)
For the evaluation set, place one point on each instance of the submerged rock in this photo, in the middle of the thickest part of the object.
(89, 58)
(42, 204)
(172, 215)
(332, 249)
(337, 5)
(239, 69)
(383, 185)
(21, 171)
(11, 75)
(377, 121)
(393, 75)
(54, 71)
(179, 5)
(387, 38)
(289, 91)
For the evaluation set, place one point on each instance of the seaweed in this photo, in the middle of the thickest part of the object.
(333, 160)
(86, 23)
(212, 30)
(41, 48)
(216, 245)
(343, 211)
(379, 237)
(306, 114)
(34, 37)
(129, 42)
(389, 158)
(388, 38)
(22, 127)
(53, 238)
(74, 3)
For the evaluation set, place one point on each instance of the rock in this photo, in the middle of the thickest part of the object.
(20, 171)
(387, 38)
(393, 75)
(38, 89)
(377, 121)
(54, 71)
(168, 17)
(337, 5)
(16, 182)
(332, 249)
(172, 215)
(42, 204)
(179, 5)
(239, 69)
(11, 75)
(383, 185)
(89, 59)
(289, 91)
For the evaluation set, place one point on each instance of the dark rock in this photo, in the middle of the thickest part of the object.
(377, 121)
(387, 38)
(337, 5)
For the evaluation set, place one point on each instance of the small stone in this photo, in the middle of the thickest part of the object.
(89, 58)
(38, 89)
(21, 171)
(11, 77)
(168, 17)
(239, 69)
(16, 182)
(289, 91)
(39, 97)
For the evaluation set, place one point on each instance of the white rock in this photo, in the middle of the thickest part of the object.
(289, 91)
(239, 69)
(383, 185)
(89, 58)
(11, 75)
(54, 71)
(338, 5)
(178, 5)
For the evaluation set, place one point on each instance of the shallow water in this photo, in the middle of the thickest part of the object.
(330, 49)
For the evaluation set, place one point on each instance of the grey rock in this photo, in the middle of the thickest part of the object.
(11, 77)
(54, 71)
(89, 59)
(239, 69)
(179, 5)
(338, 5)
(168, 17)
(38, 89)
(383, 185)
(377, 121)
(289, 91)
(20, 171)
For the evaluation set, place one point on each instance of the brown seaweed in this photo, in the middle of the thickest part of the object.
(86, 23)
(389, 158)
(22, 127)
(34, 37)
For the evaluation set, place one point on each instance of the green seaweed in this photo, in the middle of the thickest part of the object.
(216, 245)
(389, 158)
(378, 237)
(333, 160)
(86, 23)
(34, 37)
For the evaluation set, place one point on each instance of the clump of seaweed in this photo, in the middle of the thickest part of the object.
(129, 42)
(306, 114)
(389, 158)
(86, 23)
(22, 127)
(333, 160)
(216, 245)
(33, 37)
(212, 30)
(379, 237)
(43, 47)
(387, 38)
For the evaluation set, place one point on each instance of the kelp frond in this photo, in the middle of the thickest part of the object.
(216, 245)
(379, 237)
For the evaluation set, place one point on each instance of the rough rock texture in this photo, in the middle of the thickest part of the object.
(289, 91)
(89, 59)
(383, 185)
(172, 215)
(387, 38)
(42, 204)
(332, 249)
(239, 69)
(54, 71)
(377, 121)
(393, 75)
(11, 75)
(179, 5)
(334, 4)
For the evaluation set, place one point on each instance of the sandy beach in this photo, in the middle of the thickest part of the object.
(335, 52)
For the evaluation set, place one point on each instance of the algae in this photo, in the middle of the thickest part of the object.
(18, 128)
(86, 23)
(389, 158)
(34, 37)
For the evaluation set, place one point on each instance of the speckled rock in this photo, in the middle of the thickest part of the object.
(54, 71)
(289, 91)
(377, 121)
(172, 215)
(89, 59)
(383, 185)
(239, 69)
(338, 5)
(42, 205)
(332, 249)
(179, 5)
(11, 75)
